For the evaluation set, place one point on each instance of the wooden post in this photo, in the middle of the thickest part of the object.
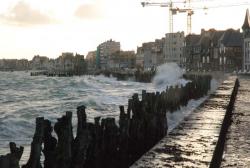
(12, 159)
(63, 151)
(36, 145)
(49, 145)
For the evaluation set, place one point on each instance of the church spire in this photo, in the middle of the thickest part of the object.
(246, 24)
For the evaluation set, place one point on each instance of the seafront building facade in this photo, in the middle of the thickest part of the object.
(213, 50)
(14, 64)
(66, 62)
(39, 62)
(104, 52)
(150, 54)
(173, 46)
(167, 49)
(91, 60)
(122, 60)
(145, 55)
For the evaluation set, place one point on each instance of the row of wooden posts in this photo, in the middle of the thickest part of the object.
(139, 76)
(105, 144)
(54, 74)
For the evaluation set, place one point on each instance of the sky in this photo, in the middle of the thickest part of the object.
(50, 27)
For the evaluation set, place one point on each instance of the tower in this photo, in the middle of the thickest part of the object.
(246, 45)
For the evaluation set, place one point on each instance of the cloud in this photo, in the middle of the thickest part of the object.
(88, 11)
(23, 14)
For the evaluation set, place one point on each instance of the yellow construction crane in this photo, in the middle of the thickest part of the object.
(173, 10)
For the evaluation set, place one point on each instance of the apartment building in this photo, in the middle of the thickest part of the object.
(173, 46)
(150, 54)
(104, 52)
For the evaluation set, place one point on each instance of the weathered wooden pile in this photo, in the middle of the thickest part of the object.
(104, 144)
(12, 159)
(38, 73)
(55, 74)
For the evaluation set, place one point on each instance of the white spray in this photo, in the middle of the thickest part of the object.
(171, 74)
(168, 74)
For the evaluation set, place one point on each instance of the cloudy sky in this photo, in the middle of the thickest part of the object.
(49, 27)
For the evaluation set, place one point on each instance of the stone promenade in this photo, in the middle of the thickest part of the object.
(237, 147)
(192, 143)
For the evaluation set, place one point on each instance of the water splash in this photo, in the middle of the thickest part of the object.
(168, 74)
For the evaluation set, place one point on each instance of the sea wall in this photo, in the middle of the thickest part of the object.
(218, 152)
(195, 141)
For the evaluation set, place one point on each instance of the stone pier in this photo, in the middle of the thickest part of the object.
(193, 142)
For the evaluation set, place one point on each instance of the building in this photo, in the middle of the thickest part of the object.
(91, 60)
(158, 52)
(70, 63)
(14, 65)
(190, 52)
(230, 50)
(1, 64)
(145, 52)
(22, 64)
(80, 65)
(202, 59)
(139, 60)
(65, 62)
(121, 60)
(213, 50)
(8, 64)
(174, 43)
(246, 42)
(40, 62)
(150, 54)
(104, 52)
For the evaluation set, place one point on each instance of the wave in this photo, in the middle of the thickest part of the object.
(27, 97)
(168, 74)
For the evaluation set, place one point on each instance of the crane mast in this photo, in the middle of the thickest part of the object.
(187, 9)
(163, 4)
(171, 19)
(173, 11)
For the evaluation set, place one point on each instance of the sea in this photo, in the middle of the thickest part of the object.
(24, 97)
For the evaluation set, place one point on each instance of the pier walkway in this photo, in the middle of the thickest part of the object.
(192, 143)
(237, 147)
